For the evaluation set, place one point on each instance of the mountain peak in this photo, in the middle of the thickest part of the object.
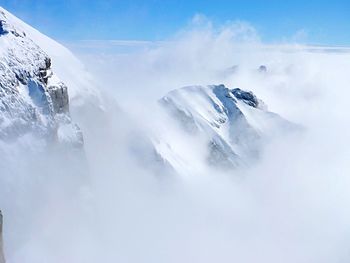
(233, 122)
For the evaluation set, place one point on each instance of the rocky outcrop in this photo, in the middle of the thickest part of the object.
(247, 97)
(33, 100)
(2, 256)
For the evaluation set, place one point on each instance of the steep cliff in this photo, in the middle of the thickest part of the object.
(33, 100)
(2, 256)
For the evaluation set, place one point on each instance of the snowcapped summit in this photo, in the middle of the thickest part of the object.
(33, 100)
(233, 122)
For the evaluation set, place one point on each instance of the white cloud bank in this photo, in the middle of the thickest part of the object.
(292, 206)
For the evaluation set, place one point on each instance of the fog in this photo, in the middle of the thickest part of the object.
(103, 206)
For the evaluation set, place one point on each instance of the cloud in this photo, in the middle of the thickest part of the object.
(292, 206)
(301, 36)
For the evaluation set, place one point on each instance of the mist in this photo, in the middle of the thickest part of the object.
(291, 205)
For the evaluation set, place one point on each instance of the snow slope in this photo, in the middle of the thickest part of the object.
(64, 63)
(233, 125)
(33, 100)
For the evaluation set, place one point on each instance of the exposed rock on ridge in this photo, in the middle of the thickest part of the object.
(33, 100)
(2, 256)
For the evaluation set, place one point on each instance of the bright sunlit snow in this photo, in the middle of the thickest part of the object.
(208, 146)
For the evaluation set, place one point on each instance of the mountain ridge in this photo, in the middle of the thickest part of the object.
(235, 123)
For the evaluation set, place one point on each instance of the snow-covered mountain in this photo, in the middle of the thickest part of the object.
(33, 99)
(64, 63)
(232, 124)
(219, 126)
(43, 86)
(45, 91)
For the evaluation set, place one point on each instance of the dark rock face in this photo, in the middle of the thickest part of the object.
(246, 96)
(2, 256)
(2, 27)
(6, 28)
(59, 97)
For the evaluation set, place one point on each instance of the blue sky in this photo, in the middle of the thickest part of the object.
(323, 22)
